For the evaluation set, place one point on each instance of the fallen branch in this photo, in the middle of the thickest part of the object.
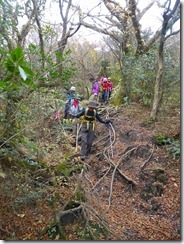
(144, 163)
(123, 175)
(101, 179)
(113, 174)
(101, 139)
(70, 216)
(100, 219)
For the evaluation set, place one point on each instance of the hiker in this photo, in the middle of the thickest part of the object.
(72, 112)
(90, 115)
(95, 90)
(105, 90)
(102, 78)
(71, 94)
(74, 107)
(110, 87)
(71, 91)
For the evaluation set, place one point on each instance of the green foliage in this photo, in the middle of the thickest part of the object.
(18, 71)
(147, 123)
(9, 12)
(104, 65)
(117, 97)
(66, 167)
(140, 75)
(30, 199)
(171, 74)
(126, 100)
(174, 149)
(80, 196)
(162, 140)
(172, 145)
(92, 231)
(69, 68)
(55, 231)
(48, 32)
(49, 72)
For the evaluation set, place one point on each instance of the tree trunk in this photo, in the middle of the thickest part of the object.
(169, 19)
(59, 54)
(11, 124)
(158, 88)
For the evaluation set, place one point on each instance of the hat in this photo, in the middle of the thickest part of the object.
(105, 79)
(92, 104)
(72, 88)
(109, 78)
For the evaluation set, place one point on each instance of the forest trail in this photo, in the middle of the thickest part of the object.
(131, 186)
(150, 208)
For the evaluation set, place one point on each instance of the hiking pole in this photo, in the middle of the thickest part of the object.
(110, 140)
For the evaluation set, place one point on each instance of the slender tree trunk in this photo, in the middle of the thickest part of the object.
(11, 123)
(169, 19)
(158, 87)
(59, 54)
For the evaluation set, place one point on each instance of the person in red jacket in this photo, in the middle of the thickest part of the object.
(110, 87)
(105, 90)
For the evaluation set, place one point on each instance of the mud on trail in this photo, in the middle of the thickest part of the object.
(128, 188)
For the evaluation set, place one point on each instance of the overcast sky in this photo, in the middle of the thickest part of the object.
(152, 17)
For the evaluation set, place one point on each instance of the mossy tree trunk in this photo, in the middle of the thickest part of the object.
(169, 18)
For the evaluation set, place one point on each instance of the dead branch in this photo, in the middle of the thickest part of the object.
(113, 174)
(103, 222)
(116, 167)
(144, 163)
(101, 139)
(71, 215)
(101, 178)
(123, 175)
(72, 195)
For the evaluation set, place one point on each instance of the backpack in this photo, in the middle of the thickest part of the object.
(87, 118)
(68, 104)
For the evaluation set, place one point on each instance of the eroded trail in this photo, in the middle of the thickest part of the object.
(131, 181)
(128, 189)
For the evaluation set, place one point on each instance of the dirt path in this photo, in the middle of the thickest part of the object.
(138, 200)
(149, 210)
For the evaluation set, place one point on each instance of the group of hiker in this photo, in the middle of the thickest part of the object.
(89, 115)
(101, 88)
(103, 85)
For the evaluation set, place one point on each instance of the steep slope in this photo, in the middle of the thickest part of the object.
(128, 188)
